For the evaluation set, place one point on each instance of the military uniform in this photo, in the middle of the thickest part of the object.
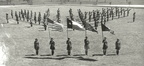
(7, 18)
(12, 13)
(52, 46)
(86, 46)
(36, 46)
(35, 17)
(105, 46)
(118, 46)
(134, 16)
(69, 46)
(39, 18)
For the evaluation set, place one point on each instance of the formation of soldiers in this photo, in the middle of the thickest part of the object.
(32, 17)
(96, 15)
(86, 46)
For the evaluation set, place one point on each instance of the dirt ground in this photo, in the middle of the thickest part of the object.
(19, 40)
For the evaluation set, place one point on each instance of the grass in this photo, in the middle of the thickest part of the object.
(21, 42)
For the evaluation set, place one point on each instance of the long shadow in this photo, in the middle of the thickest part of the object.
(31, 55)
(79, 55)
(97, 55)
(46, 55)
(61, 55)
(44, 58)
(87, 59)
(111, 55)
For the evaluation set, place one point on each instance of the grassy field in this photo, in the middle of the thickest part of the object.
(19, 40)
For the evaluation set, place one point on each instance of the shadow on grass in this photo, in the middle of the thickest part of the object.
(46, 55)
(111, 55)
(79, 55)
(31, 55)
(44, 58)
(97, 55)
(59, 57)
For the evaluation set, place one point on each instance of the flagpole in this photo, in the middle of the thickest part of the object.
(49, 31)
(102, 31)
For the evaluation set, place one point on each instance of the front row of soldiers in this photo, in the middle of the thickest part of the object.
(86, 46)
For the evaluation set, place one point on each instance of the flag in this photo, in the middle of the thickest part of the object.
(69, 23)
(74, 25)
(77, 26)
(104, 28)
(58, 26)
(50, 21)
(88, 26)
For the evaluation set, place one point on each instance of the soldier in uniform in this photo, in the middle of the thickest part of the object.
(58, 15)
(117, 46)
(45, 26)
(27, 15)
(105, 46)
(36, 46)
(31, 22)
(35, 17)
(12, 13)
(128, 11)
(20, 15)
(86, 46)
(134, 16)
(7, 17)
(39, 18)
(85, 15)
(69, 46)
(90, 14)
(52, 46)
(17, 19)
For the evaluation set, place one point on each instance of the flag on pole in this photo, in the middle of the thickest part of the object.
(69, 23)
(104, 28)
(57, 26)
(88, 26)
(50, 21)
(74, 25)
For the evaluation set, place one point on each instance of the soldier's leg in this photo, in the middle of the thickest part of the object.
(52, 52)
(36, 52)
(69, 52)
(117, 52)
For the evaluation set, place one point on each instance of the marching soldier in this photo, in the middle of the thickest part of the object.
(90, 14)
(58, 15)
(12, 13)
(71, 14)
(45, 26)
(118, 46)
(39, 18)
(17, 19)
(27, 15)
(69, 46)
(44, 17)
(35, 17)
(52, 46)
(20, 15)
(7, 17)
(86, 46)
(31, 22)
(85, 15)
(36, 46)
(105, 46)
(128, 11)
(31, 14)
(134, 16)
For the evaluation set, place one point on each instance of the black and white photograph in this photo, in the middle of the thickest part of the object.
(71, 32)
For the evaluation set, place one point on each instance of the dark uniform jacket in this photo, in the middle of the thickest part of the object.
(105, 46)
(69, 45)
(36, 45)
(52, 43)
(118, 45)
(86, 44)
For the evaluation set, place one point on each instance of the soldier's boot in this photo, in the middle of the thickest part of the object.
(36, 52)
(52, 52)
(117, 52)
(69, 52)
(86, 52)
